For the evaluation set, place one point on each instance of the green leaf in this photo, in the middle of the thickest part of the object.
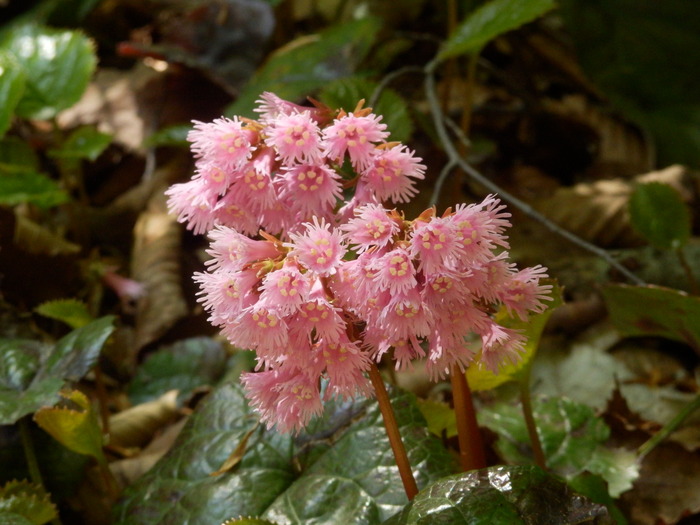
(12, 84)
(439, 416)
(77, 430)
(247, 521)
(170, 136)
(660, 216)
(489, 21)
(640, 54)
(83, 143)
(481, 378)
(341, 470)
(14, 405)
(16, 155)
(69, 359)
(642, 311)
(29, 187)
(77, 352)
(11, 518)
(347, 92)
(513, 495)
(70, 311)
(28, 500)
(596, 489)
(572, 438)
(183, 366)
(309, 63)
(58, 67)
(19, 363)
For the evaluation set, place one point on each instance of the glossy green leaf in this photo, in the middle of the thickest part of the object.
(481, 378)
(341, 470)
(58, 65)
(20, 187)
(489, 21)
(297, 71)
(19, 363)
(595, 489)
(640, 54)
(69, 359)
(70, 311)
(659, 215)
(183, 366)
(640, 311)
(83, 143)
(572, 437)
(12, 84)
(28, 500)
(347, 92)
(505, 495)
(76, 429)
(77, 352)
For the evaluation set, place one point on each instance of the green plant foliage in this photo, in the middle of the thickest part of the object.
(247, 521)
(596, 489)
(20, 187)
(340, 471)
(515, 495)
(439, 416)
(489, 21)
(12, 84)
(28, 500)
(70, 311)
(170, 136)
(642, 54)
(345, 93)
(77, 430)
(660, 216)
(182, 366)
(12, 518)
(572, 438)
(57, 65)
(29, 382)
(17, 156)
(295, 71)
(83, 143)
(642, 311)
(481, 378)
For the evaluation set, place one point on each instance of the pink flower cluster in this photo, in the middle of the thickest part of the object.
(343, 283)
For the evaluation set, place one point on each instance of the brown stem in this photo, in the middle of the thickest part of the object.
(471, 445)
(392, 432)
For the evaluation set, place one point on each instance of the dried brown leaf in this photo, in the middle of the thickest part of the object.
(667, 488)
(136, 426)
(598, 211)
(156, 264)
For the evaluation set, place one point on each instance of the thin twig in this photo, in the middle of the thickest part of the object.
(392, 432)
(528, 415)
(528, 210)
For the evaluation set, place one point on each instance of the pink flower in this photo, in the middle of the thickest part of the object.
(193, 204)
(225, 142)
(524, 293)
(435, 245)
(393, 271)
(310, 188)
(232, 251)
(344, 362)
(391, 173)
(319, 248)
(272, 107)
(295, 137)
(371, 227)
(258, 327)
(286, 289)
(500, 345)
(226, 293)
(318, 315)
(480, 227)
(355, 135)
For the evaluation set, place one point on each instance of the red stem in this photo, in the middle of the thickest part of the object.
(471, 445)
(392, 431)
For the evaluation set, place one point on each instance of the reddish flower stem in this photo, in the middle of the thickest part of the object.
(392, 431)
(471, 445)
